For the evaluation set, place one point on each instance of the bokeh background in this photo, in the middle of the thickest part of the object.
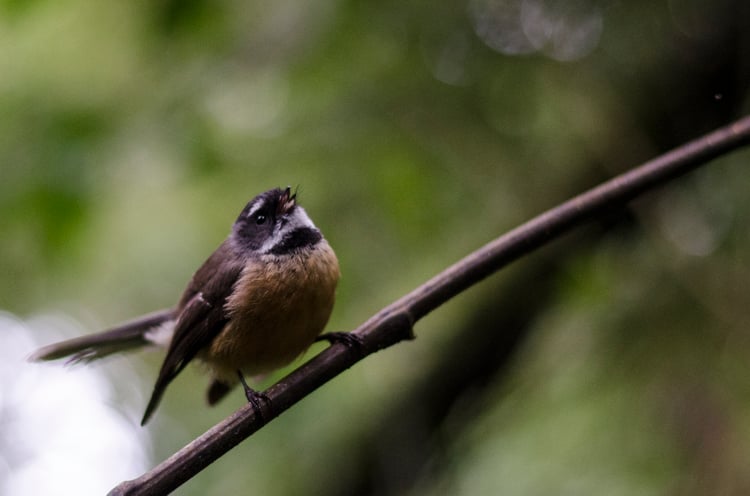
(615, 361)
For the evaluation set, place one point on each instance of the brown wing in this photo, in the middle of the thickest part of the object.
(200, 319)
(203, 277)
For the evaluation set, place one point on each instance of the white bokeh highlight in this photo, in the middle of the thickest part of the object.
(62, 432)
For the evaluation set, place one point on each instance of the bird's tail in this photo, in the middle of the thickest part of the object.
(130, 335)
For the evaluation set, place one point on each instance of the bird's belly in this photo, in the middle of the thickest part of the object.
(276, 311)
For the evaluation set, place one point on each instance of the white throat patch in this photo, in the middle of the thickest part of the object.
(298, 219)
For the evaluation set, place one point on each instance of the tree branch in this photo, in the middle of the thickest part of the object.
(394, 323)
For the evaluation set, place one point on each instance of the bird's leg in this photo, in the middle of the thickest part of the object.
(254, 397)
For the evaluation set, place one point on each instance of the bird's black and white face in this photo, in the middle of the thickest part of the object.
(273, 223)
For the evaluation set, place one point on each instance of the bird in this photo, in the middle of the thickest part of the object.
(256, 304)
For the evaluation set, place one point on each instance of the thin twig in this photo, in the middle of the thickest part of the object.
(394, 323)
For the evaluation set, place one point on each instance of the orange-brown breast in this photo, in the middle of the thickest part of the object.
(276, 310)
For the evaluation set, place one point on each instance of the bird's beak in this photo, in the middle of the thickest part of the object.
(287, 201)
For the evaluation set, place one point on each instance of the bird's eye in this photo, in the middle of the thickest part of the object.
(260, 219)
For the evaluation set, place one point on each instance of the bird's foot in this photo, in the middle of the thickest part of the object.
(259, 400)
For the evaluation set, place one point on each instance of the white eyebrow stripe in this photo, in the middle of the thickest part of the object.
(258, 205)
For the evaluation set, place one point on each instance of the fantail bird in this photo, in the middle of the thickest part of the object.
(257, 303)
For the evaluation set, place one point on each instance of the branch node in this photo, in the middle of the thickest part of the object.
(351, 340)
(396, 327)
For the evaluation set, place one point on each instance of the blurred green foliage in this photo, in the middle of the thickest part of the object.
(131, 134)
